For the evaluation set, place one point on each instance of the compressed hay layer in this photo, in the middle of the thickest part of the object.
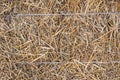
(77, 47)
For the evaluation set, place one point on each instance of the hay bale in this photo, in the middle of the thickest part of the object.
(59, 40)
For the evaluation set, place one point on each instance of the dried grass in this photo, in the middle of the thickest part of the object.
(59, 47)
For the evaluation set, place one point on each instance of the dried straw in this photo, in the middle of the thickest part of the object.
(59, 40)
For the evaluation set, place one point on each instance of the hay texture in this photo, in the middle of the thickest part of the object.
(59, 47)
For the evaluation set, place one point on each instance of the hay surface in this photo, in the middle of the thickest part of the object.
(59, 47)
